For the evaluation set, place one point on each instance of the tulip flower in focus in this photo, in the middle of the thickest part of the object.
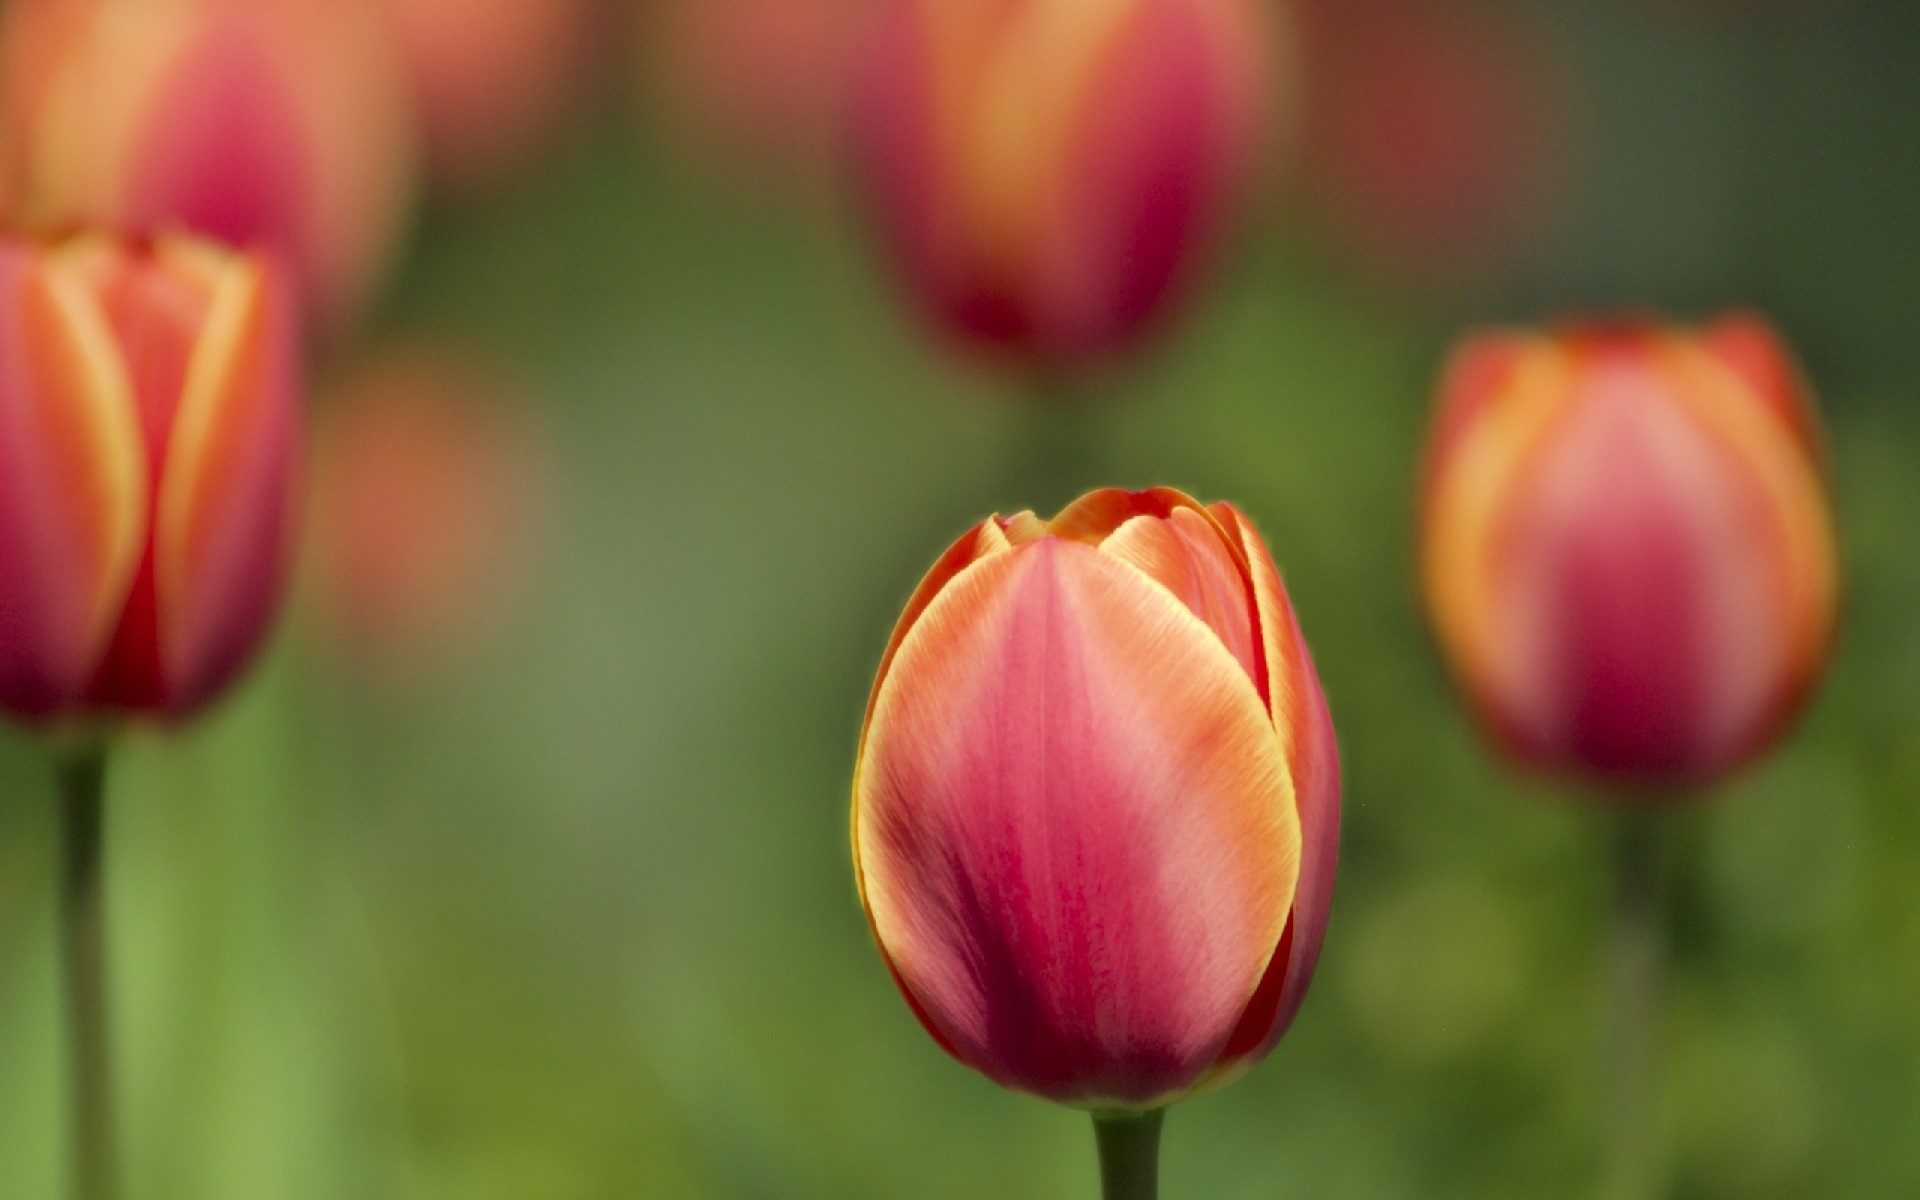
(428, 499)
(1096, 806)
(149, 438)
(278, 124)
(1050, 177)
(1628, 550)
(493, 78)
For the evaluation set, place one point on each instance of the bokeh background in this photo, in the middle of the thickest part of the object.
(519, 870)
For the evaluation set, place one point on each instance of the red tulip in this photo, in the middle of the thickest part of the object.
(1629, 558)
(1049, 177)
(278, 124)
(1096, 806)
(493, 78)
(149, 435)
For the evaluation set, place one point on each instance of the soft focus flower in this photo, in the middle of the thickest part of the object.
(1441, 135)
(149, 438)
(1629, 557)
(756, 86)
(493, 78)
(1049, 176)
(281, 124)
(429, 492)
(1097, 801)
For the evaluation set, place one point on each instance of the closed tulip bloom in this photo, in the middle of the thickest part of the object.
(149, 431)
(279, 124)
(1096, 806)
(1629, 554)
(1050, 176)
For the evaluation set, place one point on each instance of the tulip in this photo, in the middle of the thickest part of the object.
(1096, 805)
(149, 435)
(492, 78)
(1049, 176)
(279, 124)
(1629, 557)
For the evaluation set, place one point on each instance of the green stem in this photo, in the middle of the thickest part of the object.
(1059, 453)
(1639, 917)
(83, 940)
(1129, 1154)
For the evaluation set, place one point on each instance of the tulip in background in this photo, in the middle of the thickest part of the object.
(1629, 562)
(756, 86)
(1096, 808)
(493, 78)
(279, 124)
(430, 492)
(1442, 135)
(1050, 178)
(149, 446)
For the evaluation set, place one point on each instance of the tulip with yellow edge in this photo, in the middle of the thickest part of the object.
(1096, 808)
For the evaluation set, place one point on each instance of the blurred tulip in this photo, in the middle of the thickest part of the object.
(758, 85)
(1096, 807)
(428, 494)
(1441, 135)
(149, 437)
(279, 124)
(1629, 558)
(1050, 176)
(493, 78)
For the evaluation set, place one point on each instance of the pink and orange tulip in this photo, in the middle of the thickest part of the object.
(149, 440)
(1096, 807)
(278, 124)
(1050, 177)
(1628, 550)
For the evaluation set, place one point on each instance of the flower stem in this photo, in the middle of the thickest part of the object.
(1639, 914)
(1129, 1154)
(1058, 453)
(83, 921)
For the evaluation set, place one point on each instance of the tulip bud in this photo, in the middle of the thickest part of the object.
(149, 434)
(1629, 557)
(278, 124)
(1048, 176)
(1096, 806)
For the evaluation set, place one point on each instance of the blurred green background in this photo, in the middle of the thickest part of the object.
(575, 919)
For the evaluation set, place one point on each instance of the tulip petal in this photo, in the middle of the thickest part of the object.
(225, 513)
(1185, 554)
(1077, 834)
(1145, 173)
(1313, 759)
(223, 148)
(1748, 346)
(1472, 478)
(73, 485)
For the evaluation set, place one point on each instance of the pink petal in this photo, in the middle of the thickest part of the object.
(73, 484)
(1313, 758)
(224, 524)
